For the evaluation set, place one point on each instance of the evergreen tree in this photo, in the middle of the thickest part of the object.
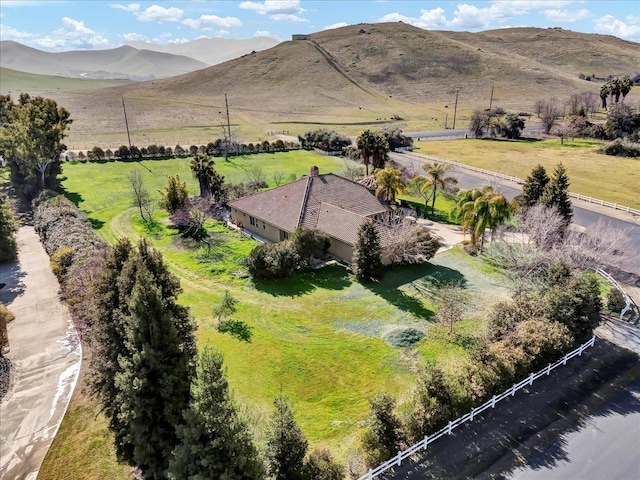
(8, 247)
(214, 441)
(368, 253)
(154, 380)
(286, 443)
(108, 340)
(113, 318)
(382, 437)
(534, 186)
(556, 193)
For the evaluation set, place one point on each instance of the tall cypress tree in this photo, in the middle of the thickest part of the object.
(368, 253)
(154, 381)
(534, 186)
(108, 340)
(214, 441)
(556, 193)
(112, 325)
(286, 443)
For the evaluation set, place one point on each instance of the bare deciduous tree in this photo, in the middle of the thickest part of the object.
(141, 197)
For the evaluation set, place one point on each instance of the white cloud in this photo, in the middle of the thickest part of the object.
(135, 37)
(209, 22)
(434, 18)
(156, 13)
(10, 33)
(222, 33)
(132, 7)
(335, 25)
(262, 33)
(272, 7)
(566, 16)
(179, 40)
(76, 26)
(287, 17)
(610, 25)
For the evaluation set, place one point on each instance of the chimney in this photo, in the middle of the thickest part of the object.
(315, 171)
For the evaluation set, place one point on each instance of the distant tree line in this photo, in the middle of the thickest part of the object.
(212, 149)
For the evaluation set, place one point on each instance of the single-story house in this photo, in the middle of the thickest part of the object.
(333, 204)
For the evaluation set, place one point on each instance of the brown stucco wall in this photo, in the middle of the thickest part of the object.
(341, 250)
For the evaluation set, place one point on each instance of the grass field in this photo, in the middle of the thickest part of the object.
(610, 178)
(319, 336)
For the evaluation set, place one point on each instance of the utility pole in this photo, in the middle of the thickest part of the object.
(226, 150)
(126, 123)
(446, 117)
(491, 100)
(455, 110)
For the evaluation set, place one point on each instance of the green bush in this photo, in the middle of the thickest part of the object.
(273, 260)
(8, 246)
(621, 148)
(61, 260)
(403, 337)
(615, 300)
(321, 466)
(5, 317)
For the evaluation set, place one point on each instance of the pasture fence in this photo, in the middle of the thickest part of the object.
(490, 404)
(628, 302)
(578, 196)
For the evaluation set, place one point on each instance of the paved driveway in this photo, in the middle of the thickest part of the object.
(45, 353)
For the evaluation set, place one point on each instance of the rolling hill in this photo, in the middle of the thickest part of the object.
(122, 63)
(361, 75)
(210, 51)
(14, 82)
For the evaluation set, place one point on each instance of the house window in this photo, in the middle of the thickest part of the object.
(264, 226)
(285, 235)
(253, 221)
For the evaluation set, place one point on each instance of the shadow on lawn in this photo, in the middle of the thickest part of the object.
(77, 199)
(334, 277)
(426, 276)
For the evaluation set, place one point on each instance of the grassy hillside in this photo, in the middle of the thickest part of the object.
(361, 75)
(14, 82)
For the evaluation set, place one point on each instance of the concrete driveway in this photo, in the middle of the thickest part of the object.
(45, 353)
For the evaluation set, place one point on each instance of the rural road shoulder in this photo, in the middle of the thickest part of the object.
(45, 353)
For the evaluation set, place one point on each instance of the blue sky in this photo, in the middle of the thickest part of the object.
(71, 25)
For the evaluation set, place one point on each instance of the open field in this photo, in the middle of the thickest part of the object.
(319, 336)
(614, 179)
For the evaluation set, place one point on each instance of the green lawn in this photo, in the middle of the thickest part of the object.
(614, 179)
(319, 336)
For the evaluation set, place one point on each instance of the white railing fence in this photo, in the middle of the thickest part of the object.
(628, 302)
(520, 181)
(491, 403)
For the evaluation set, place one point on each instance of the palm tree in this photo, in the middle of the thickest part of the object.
(479, 209)
(388, 184)
(379, 150)
(365, 144)
(435, 178)
(203, 171)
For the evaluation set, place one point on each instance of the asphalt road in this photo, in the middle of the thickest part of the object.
(458, 133)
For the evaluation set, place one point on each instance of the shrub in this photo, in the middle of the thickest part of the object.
(175, 195)
(272, 260)
(403, 337)
(8, 246)
(615, 300)
(621, 148)
(5, 318)
(382, 437)
(321, 466)
(236, 328)
(309, 243)
(61, 261)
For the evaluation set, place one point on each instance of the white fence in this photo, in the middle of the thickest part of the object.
(520, 181)
(491, 403)
(628, 302)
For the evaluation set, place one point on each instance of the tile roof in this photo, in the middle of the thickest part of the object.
(328, 202)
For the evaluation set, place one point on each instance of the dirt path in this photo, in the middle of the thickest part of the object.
(45, 353)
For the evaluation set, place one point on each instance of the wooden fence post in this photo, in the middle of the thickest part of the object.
(513, 390)
(426, 442)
